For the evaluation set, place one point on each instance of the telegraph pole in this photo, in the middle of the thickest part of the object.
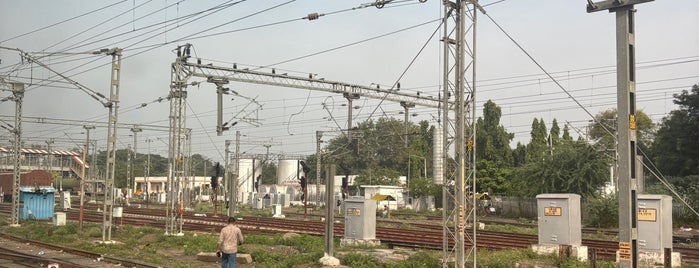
(236, 175)
(49, 157)
(227, 178)
(82, 174)
(113, 106)
(146, 173)
(17, 96)
(132, 183)
(626, 124)
(406, 107)
(319, 158)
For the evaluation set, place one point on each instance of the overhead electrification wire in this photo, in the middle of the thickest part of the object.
(657, 175)
(63, 21)
(99, 24)
(408, 67)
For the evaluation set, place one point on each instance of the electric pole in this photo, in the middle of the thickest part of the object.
(459, 80)
(17, 96)
(113, 106)
(82, 174)
(132, 183)
(626, 124)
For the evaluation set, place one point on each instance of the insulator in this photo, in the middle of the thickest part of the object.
(274, 71)
(313, 16)
(198, 60)
(235, 66)
(187, 51)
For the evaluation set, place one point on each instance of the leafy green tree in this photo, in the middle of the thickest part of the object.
(519, 155)
(377, 176)
(269, 172)
(566, 134)
(603, 129)
(491, 177)
(536, 149)
(676, 145)
(422, 187)
(555, 133)
(492, 140)
(574, 168)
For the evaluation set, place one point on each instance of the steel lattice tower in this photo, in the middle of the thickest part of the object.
(459, 23)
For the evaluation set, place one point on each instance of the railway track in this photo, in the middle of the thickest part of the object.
(422, 235)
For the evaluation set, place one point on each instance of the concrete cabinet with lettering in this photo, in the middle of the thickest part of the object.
(654, 222)
(559, 219)
(360, 218)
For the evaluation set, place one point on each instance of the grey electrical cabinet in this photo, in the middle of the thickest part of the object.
(360, 218)
(559, 219)
(654, 218)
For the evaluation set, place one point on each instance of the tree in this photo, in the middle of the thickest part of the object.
(519, 155)
(377, 176)
(422, 187)
(555, 133)
(536, 148)
(566, 134)
(573, 168)
(492, 178)
(676, 145)
(492, 140)
(603, 129)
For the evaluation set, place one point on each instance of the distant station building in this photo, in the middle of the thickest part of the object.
(29, 178)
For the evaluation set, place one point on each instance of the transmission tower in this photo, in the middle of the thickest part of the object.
(459, 133)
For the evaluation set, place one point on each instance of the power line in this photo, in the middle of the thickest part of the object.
(63, 21)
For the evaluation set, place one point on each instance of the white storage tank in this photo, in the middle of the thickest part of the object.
(249, 169)
(288, 171)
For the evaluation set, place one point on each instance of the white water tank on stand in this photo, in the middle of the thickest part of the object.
(288, 171)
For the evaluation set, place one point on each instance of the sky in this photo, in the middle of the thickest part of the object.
(349, 43)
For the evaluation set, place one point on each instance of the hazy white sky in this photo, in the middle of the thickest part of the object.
(576, 46)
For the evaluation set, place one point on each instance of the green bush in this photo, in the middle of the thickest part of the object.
(420, 259)
(360, 260)
(603, 211)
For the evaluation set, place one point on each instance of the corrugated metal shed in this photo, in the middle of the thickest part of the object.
(37, 202)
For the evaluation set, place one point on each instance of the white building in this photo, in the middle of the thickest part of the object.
(395, 191)
(157, 184)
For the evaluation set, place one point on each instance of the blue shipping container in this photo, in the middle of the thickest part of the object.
(38, 202)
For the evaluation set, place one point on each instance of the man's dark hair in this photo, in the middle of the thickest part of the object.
(231, 219)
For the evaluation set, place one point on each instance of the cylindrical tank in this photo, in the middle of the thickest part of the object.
(437, 155)
(287, 171)
(248, 171)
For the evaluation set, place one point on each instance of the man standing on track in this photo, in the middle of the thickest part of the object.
(228, 242)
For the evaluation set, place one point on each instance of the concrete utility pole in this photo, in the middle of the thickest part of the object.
(329, 208)
(226, 177)
(146, 173)
(319, 158)
(349, 98)
(49, 157)
(132, 183)
(111, 144)
(235, 177)
(626, 124)
(17, 95)
(406, 107)
(82, 175)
